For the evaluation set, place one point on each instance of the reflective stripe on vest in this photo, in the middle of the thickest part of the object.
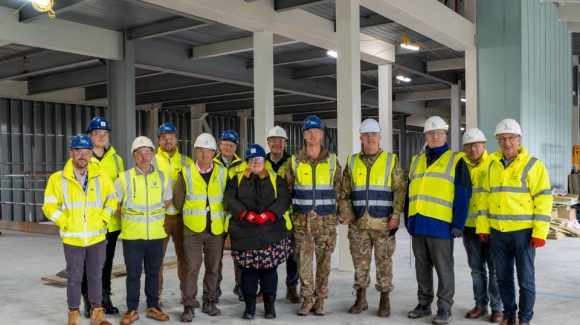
(376, 198)
(314, 193)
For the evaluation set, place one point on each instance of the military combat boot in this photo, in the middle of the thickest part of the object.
(208, 306)
(384, 305)
(306, 307)
(361, 302)
(319, 307)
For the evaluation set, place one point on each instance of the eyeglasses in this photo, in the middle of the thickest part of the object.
(370, 134)
(143, 154)
(256, 160)
(435, 133)
(509, 138)
(167, 137)
(277, 140)
(100, 133)
(473, 145)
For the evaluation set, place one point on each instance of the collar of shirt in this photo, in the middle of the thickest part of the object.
(507, 162)
(80, 177)
(141, 172)
(204, 171)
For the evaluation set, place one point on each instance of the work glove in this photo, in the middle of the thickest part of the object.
(251, 217)
(456, 233)
(484, 238)
(537, 242)
(265, 216)
(243, 214)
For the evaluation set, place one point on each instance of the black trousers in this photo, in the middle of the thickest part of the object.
(108, 267)
(139, 253)
(266, 278)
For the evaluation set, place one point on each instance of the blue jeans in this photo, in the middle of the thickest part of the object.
(292, 275)
(479, 255)
(510, 247)
(148, 253)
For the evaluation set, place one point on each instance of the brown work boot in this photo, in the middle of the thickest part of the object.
(129, 317)
(292, 294)
(74, 317)
(360, 303)
(98, 316)
(476, 312)
(496, 316)
(385, 305)
(306, 307)
(512, 321)
(319, 307)
(157, 314)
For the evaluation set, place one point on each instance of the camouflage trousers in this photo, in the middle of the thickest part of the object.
(314, 235)
(362, 244)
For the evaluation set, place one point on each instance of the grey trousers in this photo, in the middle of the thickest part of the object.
(77, 259)
(431, 252)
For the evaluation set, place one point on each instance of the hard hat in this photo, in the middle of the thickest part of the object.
(81, 141)
(312, 122)
(167, 128)
(99, 123)
(369, 125)
(255, 150)
(473, 135)
(435, 123)
(508, 125)
(142, 141)
(205, 140)
(277, 132)
(230, 135)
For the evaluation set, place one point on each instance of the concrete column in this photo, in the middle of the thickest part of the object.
(386, 105)
(403, 141)
(244, 138)
(349, 99)
(471, 88)
(455, 131)
(121, 98)
(263, 85)
(154, 122)
(197, 116)
(575, 126)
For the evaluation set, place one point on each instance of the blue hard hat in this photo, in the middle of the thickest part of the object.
(312, 122)
(81, 141)
(255, 150)
(230, 135)
(99, 123)
(167, 128)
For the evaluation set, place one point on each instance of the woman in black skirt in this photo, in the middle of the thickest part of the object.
(257, 200)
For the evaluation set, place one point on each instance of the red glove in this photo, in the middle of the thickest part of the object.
(537, 242)
(265, 216)
(484, 238)
(251, 217)
(242, 214)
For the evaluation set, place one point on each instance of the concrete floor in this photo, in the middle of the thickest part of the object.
(25, 300)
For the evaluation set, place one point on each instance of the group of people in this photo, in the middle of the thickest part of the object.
(278, 208)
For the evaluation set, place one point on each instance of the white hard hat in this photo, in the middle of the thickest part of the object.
(435, 123)
(473, 135)
(142, 141)
(508, 125)
(369, 125)
(277, 132)
(205, 140)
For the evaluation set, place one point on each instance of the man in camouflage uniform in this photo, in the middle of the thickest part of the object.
(371, 204)
(314, 177)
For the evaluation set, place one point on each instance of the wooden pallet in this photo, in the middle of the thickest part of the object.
(118, 271)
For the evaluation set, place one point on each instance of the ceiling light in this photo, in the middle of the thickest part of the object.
(332, 53)
(402, 78)
(406, 43)
(44, 6)
(463, 100)
(462, 128)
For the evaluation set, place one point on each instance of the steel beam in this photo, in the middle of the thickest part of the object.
(283, 5)
(42, 62)
(326, 71)
(445, 65)
(231, 47)
(165, 27)
(424, 95)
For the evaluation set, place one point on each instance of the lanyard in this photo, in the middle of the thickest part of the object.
(85, 185)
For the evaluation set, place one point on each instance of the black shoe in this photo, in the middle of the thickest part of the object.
(269, 309)
(238, 292)
(209, 308)
(87, 305)
(218, 294)
(188, 314)
(108, 304)
(442, 317)
(250, 310)
(419, 311)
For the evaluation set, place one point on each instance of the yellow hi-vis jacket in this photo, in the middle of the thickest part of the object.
(281, 170)
(112, 165)
(198, 193)
(82, 217)
(432, 189)
(170, 167)
(143, 207)
(478, 174)
(235, 167)
(517, 197)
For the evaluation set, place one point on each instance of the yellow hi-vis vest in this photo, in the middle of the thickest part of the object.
(281, 170)
(170, 167)
(143, 209)
(235, 165)
(82, 217)
(432, 188)
(112, 165)
(314, 189)
(371, 191)
(478, 174)
(519, 196)
(198, 192)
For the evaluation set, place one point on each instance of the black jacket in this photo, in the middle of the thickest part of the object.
(255, 193)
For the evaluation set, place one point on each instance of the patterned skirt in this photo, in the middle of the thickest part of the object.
(269, 257)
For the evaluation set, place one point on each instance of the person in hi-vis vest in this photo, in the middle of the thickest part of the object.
(435, 213)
